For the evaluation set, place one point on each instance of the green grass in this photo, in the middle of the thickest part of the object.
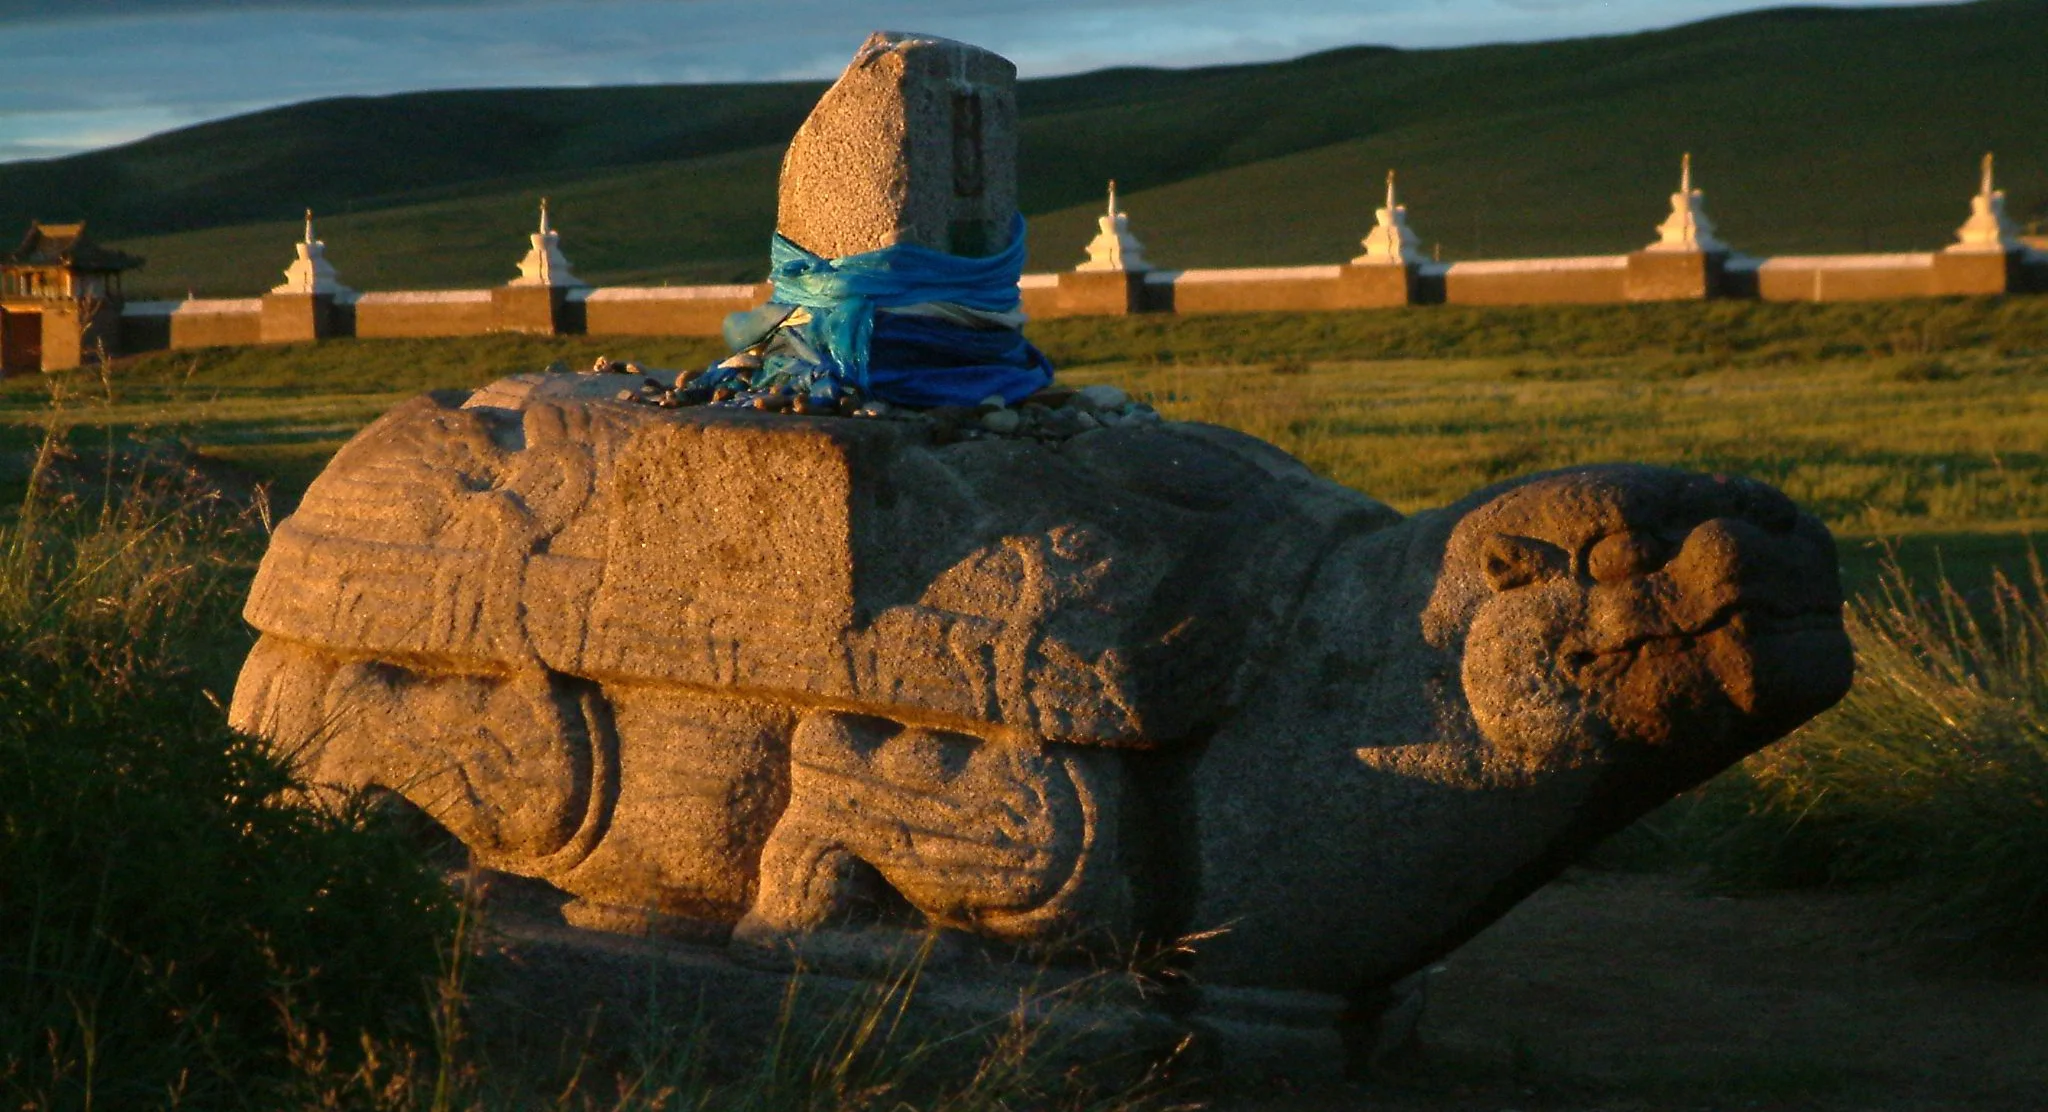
(1937, 771)
(168, 910)
(1814, 130)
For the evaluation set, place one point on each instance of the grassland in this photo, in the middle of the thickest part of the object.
(1815, 129)
(1920, 427)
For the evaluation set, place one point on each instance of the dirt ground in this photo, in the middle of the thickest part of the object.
(1624, 992)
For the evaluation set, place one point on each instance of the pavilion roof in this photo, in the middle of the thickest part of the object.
(66, 245)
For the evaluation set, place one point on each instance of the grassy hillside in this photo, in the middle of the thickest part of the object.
(1814, 129)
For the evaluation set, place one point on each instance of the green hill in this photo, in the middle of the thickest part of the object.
(1814, 130)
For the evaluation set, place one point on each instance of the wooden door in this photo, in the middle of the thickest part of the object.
(21, 341)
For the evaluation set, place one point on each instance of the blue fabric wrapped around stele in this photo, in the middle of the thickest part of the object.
(901, 358)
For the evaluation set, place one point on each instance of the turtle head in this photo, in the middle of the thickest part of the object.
(1668, 621)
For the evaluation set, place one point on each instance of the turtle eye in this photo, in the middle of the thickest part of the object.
(1510, 562)
(1624, 556)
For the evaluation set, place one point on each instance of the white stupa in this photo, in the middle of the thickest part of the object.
(1687, 228)
(1114, 247)
(545, 265)
(1391, 242)
(1989, 230)
(311, 273)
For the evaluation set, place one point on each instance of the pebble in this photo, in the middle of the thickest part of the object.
(1052, 397)
(1103, 396)
(1055, 413)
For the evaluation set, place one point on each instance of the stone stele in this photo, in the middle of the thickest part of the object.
(916, 143)
(788, 684)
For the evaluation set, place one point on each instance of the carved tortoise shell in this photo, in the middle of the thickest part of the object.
(1116, 588)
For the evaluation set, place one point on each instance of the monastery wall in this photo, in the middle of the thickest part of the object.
(425, 313)
(1845, 277)
(666, 310)
(1584, 281)
(215, 323)
(1687, 263)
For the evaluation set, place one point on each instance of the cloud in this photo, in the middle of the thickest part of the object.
(166, 63)
(72, 10)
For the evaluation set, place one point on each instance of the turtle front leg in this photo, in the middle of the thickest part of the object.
(811, 891)
(807, 883)
(888, 824)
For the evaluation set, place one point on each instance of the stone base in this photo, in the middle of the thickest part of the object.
(1674, 275)
(1376, 287)
(1975, 273)
(545, 982)
(539, 310)
(1100, 293)
(290, 318)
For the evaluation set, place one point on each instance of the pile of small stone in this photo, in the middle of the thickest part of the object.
(1055, 413)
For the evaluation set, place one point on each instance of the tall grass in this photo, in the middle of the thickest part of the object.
(164, 908)
(873, 1050)
(1931, 775)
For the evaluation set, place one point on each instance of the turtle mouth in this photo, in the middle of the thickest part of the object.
(1751, 619)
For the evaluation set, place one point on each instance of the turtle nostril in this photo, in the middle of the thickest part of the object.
(1510, 562)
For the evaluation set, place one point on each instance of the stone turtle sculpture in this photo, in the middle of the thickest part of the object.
(767, 678)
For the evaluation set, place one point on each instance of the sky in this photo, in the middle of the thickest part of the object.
(81, 74)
